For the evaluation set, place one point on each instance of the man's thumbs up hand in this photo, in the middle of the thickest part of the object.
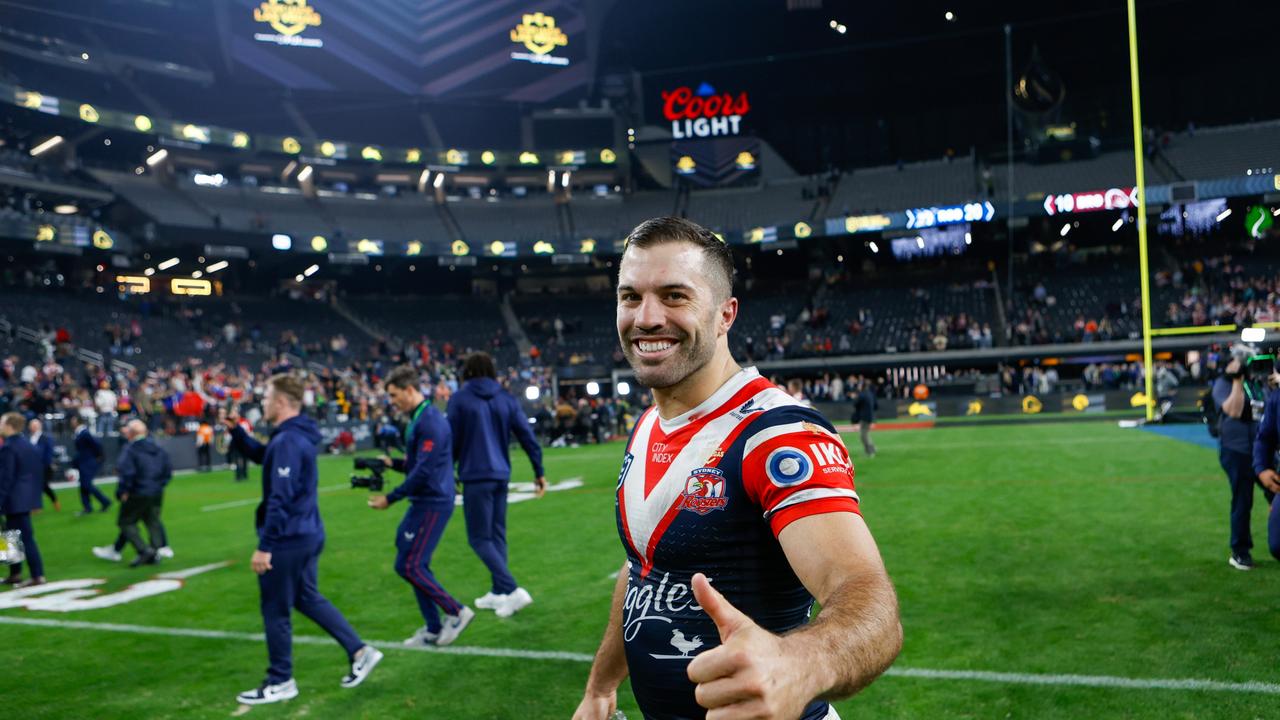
(750, 675)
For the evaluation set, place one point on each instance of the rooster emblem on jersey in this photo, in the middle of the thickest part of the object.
(704, 491)
(683, 644)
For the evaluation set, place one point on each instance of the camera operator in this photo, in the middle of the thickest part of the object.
(429, 487)
(1238, 428)
(1264, 457)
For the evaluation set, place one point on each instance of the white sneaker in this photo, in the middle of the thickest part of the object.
(454, 625)
(490, 601)
(165, 552)
(422, 638)
(518, 600)
(362, 666)
(286, 690)
(107, 552)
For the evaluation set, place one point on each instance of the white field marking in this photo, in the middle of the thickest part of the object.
(522, 491)
(1092, 681)
(255, 501)
(112, 479)
(297, 639)
(193, 571)
(1097, 681)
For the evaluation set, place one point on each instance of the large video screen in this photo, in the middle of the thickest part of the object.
(481, 49)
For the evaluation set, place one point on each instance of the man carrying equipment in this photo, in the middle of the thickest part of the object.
(428, 485)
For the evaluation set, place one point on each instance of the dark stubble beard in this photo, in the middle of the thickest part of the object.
(688, 359)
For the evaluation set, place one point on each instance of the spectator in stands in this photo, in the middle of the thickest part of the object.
(87, 460)
(483, 417)
(20, 482)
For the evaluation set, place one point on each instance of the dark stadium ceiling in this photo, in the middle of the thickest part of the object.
(903, 81)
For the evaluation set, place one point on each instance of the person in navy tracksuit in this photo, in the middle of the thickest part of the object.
(290, 540)
(86, 461)
(1264, 462)
(428, 485)
(483, 417)
(145, 470)
(20, 483)
(44, 445)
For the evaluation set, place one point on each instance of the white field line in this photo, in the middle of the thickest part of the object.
(1091, 681)
(193, 571)
(255, 501)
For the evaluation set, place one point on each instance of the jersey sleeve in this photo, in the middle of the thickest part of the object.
(794, 465)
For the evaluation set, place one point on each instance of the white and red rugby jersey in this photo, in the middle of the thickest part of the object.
(708, 492)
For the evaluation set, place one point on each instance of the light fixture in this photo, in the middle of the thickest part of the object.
(919, 242)
(281, 242)
(297, 278)
(968, 238)
(46, 146)
(66, 209)
(197, 275)
(874, 248)
(1223, 215)
(220, 265)
(624, 387)
(1119, 223)
(1253, 335)
(305, 174)
(149, 272)
(532, 393)
(157, 157)
(168, 263)
(593, 388)
(311, 270)
(438, 182)
(422, 180)
(1066, 228)
(950, 16)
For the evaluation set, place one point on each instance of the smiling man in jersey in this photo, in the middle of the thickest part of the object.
(736, 509)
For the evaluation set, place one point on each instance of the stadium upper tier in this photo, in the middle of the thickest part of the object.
(1204, 154)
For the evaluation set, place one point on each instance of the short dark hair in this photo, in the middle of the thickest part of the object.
(403, 377)
(657, 231)
(478, 365)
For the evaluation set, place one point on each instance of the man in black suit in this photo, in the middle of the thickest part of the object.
(44, 445)
(20, 484)
(86, 461)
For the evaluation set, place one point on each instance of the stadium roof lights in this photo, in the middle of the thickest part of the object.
(46, 146)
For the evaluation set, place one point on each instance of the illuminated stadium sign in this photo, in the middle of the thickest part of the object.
(704, 112)
(539, 34)
(288, 18)
(1110, 199)
(933, 216)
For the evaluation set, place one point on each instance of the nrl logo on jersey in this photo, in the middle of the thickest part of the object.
(704, 491)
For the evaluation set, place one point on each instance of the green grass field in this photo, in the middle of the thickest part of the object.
(1045, 550)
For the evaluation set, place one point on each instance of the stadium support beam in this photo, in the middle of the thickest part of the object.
(1142, 209)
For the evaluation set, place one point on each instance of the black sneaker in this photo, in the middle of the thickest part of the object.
(364, 663)
(267, 693)
(1241, 561)
(146, 559)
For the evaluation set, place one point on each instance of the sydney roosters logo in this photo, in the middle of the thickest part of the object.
(704, 491)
